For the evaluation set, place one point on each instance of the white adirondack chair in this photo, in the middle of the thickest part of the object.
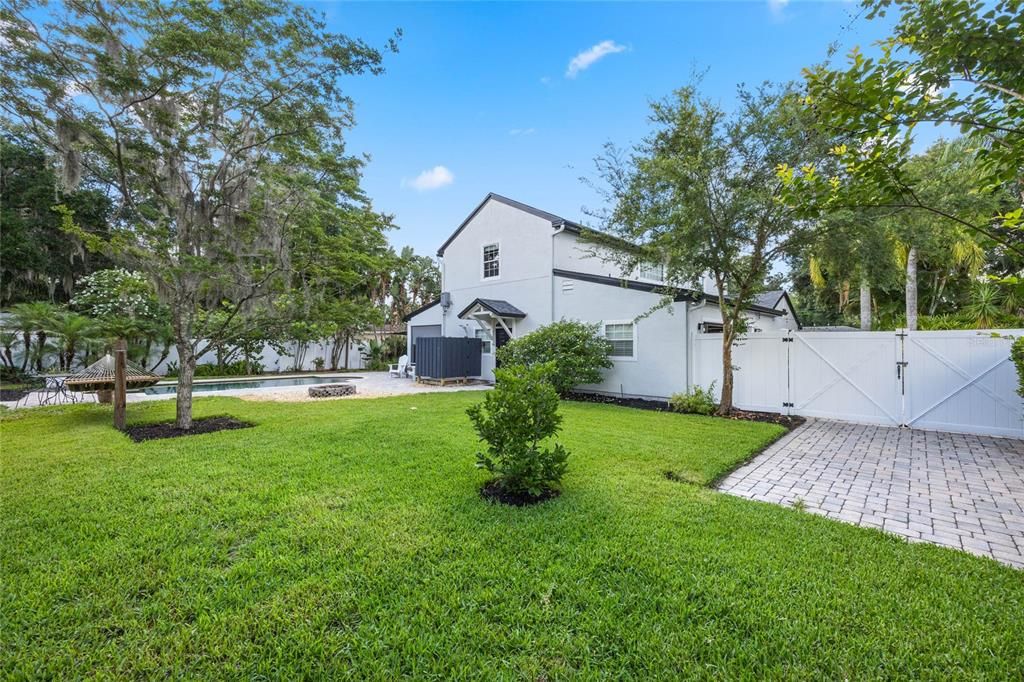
(401, 368)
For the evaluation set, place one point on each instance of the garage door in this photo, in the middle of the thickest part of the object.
(421, 331)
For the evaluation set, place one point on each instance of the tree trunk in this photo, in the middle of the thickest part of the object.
(26, 340)
(336, 351)
(937, 294)
(186, 371)
(912, 288)
(865, 306)
(725, 404)
(163, 356)
(40, 350)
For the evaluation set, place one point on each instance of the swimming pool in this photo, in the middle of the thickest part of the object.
(234, 385)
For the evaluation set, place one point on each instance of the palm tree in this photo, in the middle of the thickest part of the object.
(31, 320)
(8, 340)
(986, 303)
(72, 331)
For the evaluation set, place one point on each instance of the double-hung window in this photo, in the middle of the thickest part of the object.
(652, 271)
(492, 261)
(622, 336)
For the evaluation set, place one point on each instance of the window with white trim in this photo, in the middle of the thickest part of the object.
(652, 271)
(622, 335)
(492, 261)
(485, 339)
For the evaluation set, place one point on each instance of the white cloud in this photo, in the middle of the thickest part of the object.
(588, 57)
(545, 80)
(435, 178)
(522, 131)
(776, 7)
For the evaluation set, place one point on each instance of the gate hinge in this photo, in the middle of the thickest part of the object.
(787, 339)
(788, 405)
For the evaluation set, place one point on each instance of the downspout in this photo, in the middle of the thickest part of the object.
(444, 311)
(691, 337)
(558, 230)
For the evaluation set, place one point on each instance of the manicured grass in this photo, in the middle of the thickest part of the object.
(346, 539)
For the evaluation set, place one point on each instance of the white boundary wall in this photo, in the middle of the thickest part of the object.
(959, 381)
(281, 362)
(271, 360)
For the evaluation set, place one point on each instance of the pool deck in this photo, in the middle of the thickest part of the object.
(368, 385)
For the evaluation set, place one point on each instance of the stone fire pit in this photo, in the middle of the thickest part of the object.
(331, 390)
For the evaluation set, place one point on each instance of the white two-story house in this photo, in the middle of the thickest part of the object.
(510, 268)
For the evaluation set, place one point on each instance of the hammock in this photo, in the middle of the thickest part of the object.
(99, 376)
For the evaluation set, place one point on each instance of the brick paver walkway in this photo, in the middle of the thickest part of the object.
(951, 489)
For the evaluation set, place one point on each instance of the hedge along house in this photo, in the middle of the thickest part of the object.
(510, 268)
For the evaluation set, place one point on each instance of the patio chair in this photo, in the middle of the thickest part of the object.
(400, 369)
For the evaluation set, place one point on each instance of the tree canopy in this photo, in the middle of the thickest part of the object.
(954, 63)
(215, 128)
(39, 260)
(700, 194)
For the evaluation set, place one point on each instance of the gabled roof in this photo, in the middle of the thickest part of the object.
(769, 299)
(419, 310)
(556, 221)
(496, 306)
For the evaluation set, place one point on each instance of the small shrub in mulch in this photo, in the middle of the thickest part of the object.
(494, 492)
(145, 432)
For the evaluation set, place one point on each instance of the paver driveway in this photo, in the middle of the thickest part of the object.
(951, 489)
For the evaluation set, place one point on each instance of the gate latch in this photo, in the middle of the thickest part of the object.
(900, 365)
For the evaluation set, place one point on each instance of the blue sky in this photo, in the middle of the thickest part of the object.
(482, 96)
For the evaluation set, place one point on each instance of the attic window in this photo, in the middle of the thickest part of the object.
(492, 261)
(652, 271)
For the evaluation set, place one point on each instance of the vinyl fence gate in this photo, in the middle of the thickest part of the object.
(959, 381)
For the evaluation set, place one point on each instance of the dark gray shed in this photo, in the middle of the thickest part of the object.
(446, 357)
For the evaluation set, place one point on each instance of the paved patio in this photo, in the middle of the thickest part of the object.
(368, 385)
(961, 491)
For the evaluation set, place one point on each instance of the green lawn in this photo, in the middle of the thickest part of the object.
(347, 539)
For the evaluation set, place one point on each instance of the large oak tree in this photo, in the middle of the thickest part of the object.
(700, 194)
(213, 125)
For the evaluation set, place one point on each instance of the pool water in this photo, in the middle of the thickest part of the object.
(269, 382)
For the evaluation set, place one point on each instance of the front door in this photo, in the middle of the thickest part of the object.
(500, 339)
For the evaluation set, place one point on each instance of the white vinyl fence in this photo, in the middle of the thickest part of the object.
(959, 381)
(271, 360)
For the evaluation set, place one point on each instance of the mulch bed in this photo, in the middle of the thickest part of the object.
(145, 432)
(639, 403)
(493, 492)
(788, 421)
(7, 394)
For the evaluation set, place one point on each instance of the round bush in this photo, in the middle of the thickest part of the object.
(576, 351)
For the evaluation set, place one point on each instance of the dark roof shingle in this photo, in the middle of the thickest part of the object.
(496, 306)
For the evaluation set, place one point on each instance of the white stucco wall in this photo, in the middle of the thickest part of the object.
(529, 249)
(660, 367)
(525, 271)
(576, 256)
